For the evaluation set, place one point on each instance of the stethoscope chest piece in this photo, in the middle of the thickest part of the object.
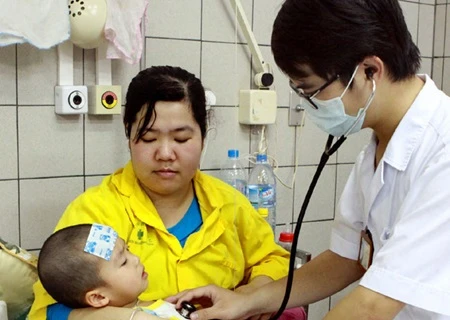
(186, 309)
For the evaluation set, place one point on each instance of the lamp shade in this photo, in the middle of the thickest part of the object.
(87, 22)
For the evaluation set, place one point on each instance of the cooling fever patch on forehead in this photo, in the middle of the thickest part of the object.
(101, 241)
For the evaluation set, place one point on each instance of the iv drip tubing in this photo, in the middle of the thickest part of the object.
(329, 150)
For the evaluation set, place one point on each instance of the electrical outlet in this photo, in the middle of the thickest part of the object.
(104, 99)
(257, 106)
(71, 99)
(295, 110)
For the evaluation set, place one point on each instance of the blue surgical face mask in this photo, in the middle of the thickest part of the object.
(331, 117)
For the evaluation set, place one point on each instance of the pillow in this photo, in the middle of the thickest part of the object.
(18, 273)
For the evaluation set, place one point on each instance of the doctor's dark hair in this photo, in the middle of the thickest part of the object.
(67, 272)
(333, 36)
(163, 83)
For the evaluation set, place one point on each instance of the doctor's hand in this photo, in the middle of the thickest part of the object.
(217, 303)
(257, 282)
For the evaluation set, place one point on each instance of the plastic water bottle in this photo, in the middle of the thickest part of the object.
(233, 172)
(285, 240)
(261, 188)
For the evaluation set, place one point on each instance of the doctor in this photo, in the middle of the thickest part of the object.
(354, 64)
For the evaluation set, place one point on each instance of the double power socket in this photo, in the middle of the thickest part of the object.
(98, 99)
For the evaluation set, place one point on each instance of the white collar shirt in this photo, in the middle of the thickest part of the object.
(405, 203)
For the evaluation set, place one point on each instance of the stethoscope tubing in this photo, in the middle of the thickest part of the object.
(329, 150)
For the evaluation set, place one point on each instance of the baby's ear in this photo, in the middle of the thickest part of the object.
(95, 299)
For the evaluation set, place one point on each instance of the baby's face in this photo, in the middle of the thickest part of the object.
(124, 275)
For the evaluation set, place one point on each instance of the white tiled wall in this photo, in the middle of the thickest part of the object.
(47, 160)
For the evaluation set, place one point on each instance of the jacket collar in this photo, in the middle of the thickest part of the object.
(410, 131)
(209, 199)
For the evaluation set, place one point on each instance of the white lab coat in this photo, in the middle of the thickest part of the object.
(405, 203)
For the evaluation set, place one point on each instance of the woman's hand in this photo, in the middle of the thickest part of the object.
(217, 303)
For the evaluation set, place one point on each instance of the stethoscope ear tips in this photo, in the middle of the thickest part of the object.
(369, 73)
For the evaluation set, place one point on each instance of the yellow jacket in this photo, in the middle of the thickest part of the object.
(233, 245)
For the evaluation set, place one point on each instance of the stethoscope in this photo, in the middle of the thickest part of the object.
(330, 149)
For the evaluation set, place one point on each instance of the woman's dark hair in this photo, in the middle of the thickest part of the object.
(163, 83)
(65, 270)
(333, 36)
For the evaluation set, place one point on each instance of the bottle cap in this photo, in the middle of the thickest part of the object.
(263, 212)
(233, 153)
(261, 157)
(286, 236)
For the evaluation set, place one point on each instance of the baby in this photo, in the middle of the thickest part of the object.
(88, 265)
